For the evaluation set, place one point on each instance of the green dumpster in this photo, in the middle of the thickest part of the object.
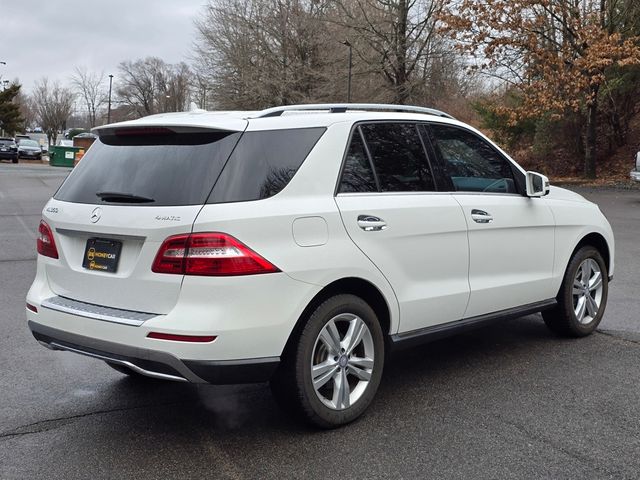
(63, 156)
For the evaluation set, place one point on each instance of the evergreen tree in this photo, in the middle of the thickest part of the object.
(10, 119)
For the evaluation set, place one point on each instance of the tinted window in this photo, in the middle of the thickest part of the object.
(263, 163)
(472, 164)
(357, 175)
(398, 157)
(170, 169)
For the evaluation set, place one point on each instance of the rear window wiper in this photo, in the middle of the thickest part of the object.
(123, 197)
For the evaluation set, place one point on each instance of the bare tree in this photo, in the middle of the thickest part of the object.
(27, 109)
(151, 86)
(89, 87)
(53, 104)
(397, 38)
(253, 54)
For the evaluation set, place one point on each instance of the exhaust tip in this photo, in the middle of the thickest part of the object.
(48, 345)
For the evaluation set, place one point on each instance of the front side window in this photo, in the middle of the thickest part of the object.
(398, 157)
(471, 163)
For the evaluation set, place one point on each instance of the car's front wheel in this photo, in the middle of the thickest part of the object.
(583, 295)
(332, 373)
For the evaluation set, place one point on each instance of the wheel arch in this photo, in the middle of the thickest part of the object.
(597, 241)
(349, 285)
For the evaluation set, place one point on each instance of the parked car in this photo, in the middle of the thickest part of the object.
(635, 173)
(8, 150)
(29, 149)
(301, 249)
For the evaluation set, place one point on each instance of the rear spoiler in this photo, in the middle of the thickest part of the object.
(187, 124)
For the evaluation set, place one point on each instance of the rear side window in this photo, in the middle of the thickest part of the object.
(472, 163)
(357, 176)
(151, 169)
(263, 163)
(398, 157)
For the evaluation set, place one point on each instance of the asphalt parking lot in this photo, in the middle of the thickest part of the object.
(507, 401)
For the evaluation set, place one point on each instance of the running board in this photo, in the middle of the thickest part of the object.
(404, 340)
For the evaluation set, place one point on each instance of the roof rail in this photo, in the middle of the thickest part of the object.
(343, 107)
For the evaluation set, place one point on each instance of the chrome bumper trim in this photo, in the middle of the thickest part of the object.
(124, 363)
(97, 312)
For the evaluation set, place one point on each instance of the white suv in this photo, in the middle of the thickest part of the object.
(301, 245)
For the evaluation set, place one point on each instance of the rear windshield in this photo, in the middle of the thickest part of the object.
(263, 163)
(4, 141)
(155, 170)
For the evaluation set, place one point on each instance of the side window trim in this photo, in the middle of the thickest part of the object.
(438, 171)
(366, 149)
(355, 130)
(514, 170)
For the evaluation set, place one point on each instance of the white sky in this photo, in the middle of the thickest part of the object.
(50, 37)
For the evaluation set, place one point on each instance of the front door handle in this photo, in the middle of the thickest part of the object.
(480, 216)
(369, 223)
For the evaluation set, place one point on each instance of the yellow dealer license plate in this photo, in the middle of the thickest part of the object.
(102, 254)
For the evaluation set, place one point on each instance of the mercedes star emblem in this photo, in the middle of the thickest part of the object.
(96, 214)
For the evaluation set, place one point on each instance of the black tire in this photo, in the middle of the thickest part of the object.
(292, 383)
(562, 319)
(14, 160)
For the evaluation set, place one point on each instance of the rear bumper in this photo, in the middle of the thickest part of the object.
(635, 175)
(158, 364)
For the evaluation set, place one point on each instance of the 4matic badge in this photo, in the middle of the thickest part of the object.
(167, 218)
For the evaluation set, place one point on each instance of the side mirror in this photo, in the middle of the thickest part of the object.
(537, 185)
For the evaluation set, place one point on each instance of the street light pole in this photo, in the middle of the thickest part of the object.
(109, 107)
(348, 44)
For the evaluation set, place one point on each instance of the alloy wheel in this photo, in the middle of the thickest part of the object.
(342, 361)
(587, 291)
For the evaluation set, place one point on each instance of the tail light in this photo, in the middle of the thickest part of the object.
(210, 254)
(46, 244)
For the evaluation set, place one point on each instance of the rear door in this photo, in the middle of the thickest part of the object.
(132, 189)
(415, 235)
(511, 236)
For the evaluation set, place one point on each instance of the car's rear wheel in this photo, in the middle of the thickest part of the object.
(330, 376)
(583, 295)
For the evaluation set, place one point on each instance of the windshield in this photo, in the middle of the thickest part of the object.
(151, 170)
(29, 143)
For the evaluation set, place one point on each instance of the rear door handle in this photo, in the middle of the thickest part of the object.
(480, 216)
(369, 223)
